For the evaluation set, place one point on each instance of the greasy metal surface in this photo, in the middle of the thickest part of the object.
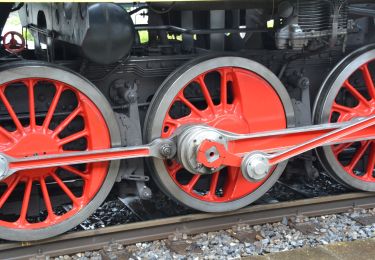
(195, 223)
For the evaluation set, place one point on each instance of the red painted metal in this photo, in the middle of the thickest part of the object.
(254, 107)
(11, 44)
(30, 138)
(365, 152)
(296, 142)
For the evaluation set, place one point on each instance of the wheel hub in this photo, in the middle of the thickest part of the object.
(188, 145)
(35, 142)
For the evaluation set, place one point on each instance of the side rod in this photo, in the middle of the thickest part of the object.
(158, 148)
(277, 145)
(281, 145)
(322, 140)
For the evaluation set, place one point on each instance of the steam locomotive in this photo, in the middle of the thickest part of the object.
(207, 99)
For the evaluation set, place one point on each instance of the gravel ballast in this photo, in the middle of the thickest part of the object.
(244, 240)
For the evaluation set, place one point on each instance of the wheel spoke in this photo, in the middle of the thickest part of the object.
(358, 155)
(223, 88)
(73, 137)
(46, 197)
(213, 184)
(340, 148)
(169, 127)
(67, 121)
(231, 182)
(25, 201)
(192, 182)
(74, 171)
(51, 110)
(190, 105)
(11, 112)
(174, 168)
(370, 163)
(343, 110)
(368, 80)
(9, 191)
(30, 84)
(206, 93)
(65, 188)
(356, 93)
(8, 135)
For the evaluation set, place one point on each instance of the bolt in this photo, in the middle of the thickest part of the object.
(132, 96)
(213, 169)
(145, 193)
(304, 82)
(199, 165)
(166, 150)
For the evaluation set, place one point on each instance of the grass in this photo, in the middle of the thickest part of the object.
(143, 36)
(14, 20)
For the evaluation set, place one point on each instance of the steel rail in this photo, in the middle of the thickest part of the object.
(191, 224)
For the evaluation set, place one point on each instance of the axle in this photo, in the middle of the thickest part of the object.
(205, 150)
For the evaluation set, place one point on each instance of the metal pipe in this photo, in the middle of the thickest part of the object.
(172, 28)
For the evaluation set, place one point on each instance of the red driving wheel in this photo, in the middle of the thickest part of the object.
(349, 93)
(14, 42)
(43, 115)
(232, 97)
(240, 113)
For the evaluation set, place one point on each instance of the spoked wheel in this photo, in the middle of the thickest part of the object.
(49, 110)
(347, 93)
(229, 93)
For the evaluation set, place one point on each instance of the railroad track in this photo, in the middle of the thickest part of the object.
(191, 224)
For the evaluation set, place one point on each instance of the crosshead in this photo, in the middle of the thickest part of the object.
(205, 150)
